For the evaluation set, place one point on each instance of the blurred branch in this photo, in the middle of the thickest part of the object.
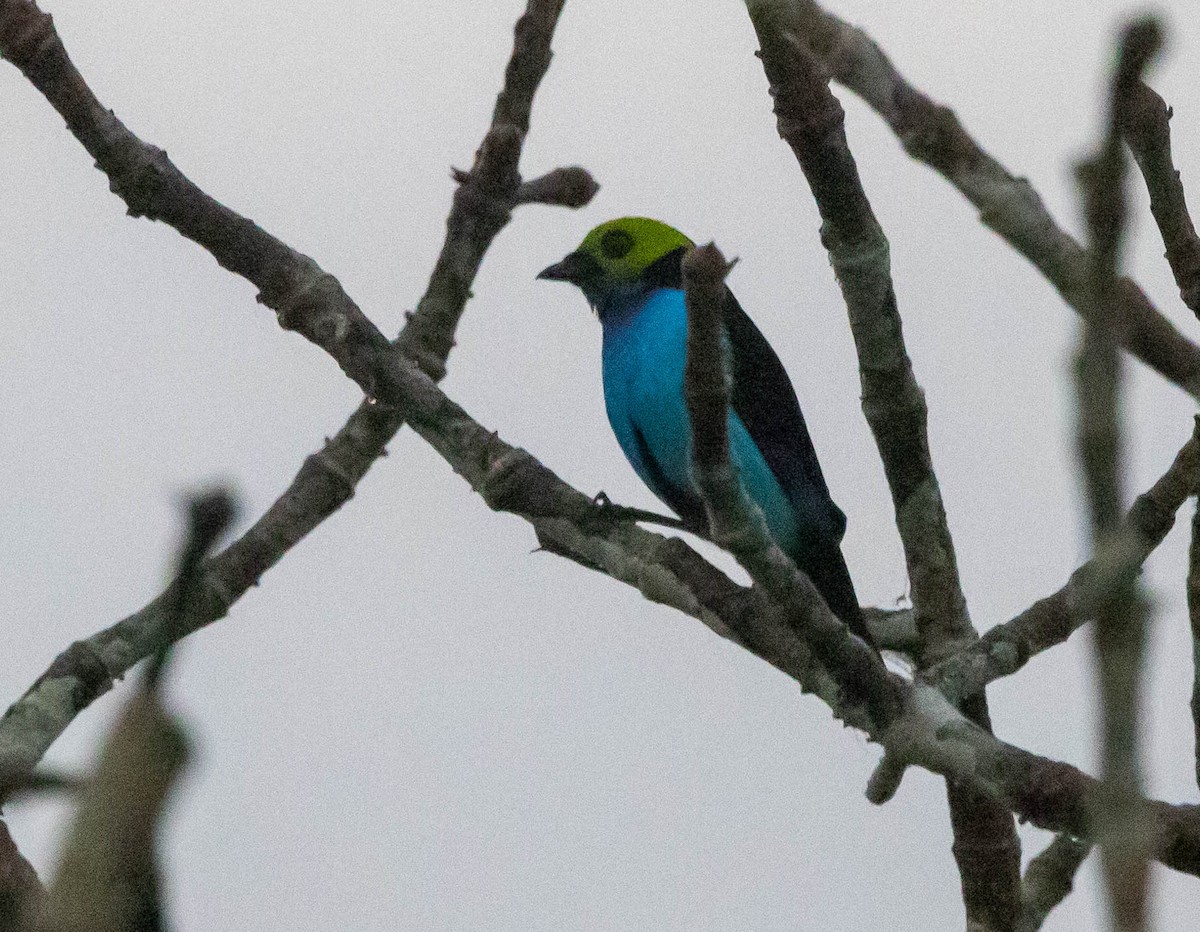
(1120, 827)
(108, 875)
(209, 514)
(812, 122)
(327, 479)
(42, 780)
(1146, 128)
(22, 895)
(1049, 879)
(1008, 205)
(1006, 648)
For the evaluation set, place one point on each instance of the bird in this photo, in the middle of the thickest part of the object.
(630, 270)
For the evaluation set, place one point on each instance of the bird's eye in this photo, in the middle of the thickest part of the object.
(615, 244)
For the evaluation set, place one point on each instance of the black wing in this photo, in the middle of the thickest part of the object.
(764, 399)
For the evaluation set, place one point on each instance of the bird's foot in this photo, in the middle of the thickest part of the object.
(608, 514)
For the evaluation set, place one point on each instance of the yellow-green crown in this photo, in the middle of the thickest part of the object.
(624, 248)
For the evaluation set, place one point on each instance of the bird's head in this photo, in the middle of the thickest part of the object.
(621, 258)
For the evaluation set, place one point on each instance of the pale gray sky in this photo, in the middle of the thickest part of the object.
(416, 722)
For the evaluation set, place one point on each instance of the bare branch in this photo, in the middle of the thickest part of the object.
(291, 284)
(919, 726)
(486, 195)
(1006, 648)
(1120, 825)
(811, 121)
(1009, 205)
(327, 479)
(1193, 602)
(1049, 879)
(1146, 128)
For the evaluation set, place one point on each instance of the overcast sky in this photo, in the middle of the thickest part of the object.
(416, 721)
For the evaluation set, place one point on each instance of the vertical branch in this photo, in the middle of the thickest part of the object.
(811, 120)
(1193, 601)
(209, 514)
(736, 522)
(706, 372)
(1120, 826)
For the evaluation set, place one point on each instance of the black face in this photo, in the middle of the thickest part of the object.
(577, 268)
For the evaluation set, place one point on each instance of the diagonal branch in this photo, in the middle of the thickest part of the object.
(1146, 128)
(1008, 205)
(811, 121)
(1007, 647)
(327, 479)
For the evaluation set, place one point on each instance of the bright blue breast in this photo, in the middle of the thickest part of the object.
(644, 352)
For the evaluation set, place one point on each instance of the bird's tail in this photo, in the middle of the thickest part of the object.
(826, 567)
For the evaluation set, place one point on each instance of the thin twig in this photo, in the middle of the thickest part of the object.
(1049, 879)
(564, 187)
(1120, 629)
(1007, 204)
(1147, 129)
(812, 122)
(488, 192)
